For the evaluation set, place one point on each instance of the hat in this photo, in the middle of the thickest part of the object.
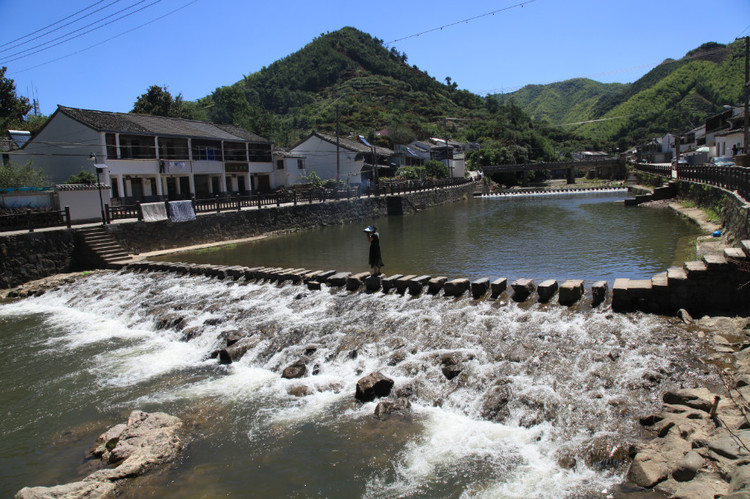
(370, 228)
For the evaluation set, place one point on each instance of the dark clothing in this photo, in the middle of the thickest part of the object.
(375, 259)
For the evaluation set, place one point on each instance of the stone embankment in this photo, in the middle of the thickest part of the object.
(543, 192)
(701, 439)
(144, 443)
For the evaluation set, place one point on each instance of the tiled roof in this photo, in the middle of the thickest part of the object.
(81, 187)
(352, 145)
(145, 124)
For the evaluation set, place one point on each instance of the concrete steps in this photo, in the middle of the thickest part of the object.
(103, 246)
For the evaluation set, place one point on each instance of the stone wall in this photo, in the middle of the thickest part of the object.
(735, 211)
(226, 226)
(34, 255)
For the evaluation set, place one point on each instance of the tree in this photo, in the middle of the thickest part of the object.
(82, 177)
(436, 169)
(159, 102)
(13, 109)
(21, 176)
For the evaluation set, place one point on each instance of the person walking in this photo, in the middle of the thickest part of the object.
(375, 260)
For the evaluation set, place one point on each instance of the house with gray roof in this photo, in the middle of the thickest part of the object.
(357, 163)
(148, 158)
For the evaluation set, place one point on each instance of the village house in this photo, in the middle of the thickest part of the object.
(150, 158)
(355, 159)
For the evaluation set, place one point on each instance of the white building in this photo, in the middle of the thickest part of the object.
(355, 159)
(149, 158)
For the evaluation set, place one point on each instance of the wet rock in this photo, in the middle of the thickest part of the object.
(567, 462)
(296, 370)
(235, 352)
(385, 410)
(310, 349)
(170, 321)
(685, 316)
(450, 366)
(145, 442)
(372, 386)
(299, 390)
(232, 336)
(697, 398)
(190, 333)
(495, 405)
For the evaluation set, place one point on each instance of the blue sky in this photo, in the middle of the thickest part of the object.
(194, 46)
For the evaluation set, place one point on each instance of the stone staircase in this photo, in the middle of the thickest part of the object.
(718, 282)
(102, 247)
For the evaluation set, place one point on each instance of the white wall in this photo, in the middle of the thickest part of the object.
(84, 205)
(26, 199)
(61, 149)
(320, 157)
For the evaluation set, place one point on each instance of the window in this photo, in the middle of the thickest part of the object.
(260, 153)
(137, 147)
(279, 164)
(111, 141)
(234, 151)
(170, 148)
(300, 164)
(206, 150)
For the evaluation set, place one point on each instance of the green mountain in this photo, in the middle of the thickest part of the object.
(676, 95)
(564, 102)
(348, 74)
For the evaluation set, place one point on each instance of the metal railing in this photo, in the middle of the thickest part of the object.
(731, 178)
(31, 220)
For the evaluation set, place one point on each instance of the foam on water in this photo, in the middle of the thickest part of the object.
(574, 382)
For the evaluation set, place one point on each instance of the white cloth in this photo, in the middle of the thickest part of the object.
(153, 212)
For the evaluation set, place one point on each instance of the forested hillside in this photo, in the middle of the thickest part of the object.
(675, 96)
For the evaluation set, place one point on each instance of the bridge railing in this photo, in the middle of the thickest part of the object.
(732, 178)
(27, 219)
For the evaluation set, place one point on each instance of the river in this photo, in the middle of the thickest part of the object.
(80, 358)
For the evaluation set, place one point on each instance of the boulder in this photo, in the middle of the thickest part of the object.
(648, 468)
(135, 448)
(495, 405)
(385, 410)
(697, 398)
(296, 370)
(687, 467)
(372, 386)
(234, 352)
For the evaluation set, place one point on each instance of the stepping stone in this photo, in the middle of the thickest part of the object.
(435, 284)
(522, 289)
(480, 287)
(456, 287)
(354, 282)
(417, 284)
(570, 292)
(402, 283)
(338, 280)
(546, 290)
(389, 282)
(599, 292)
(497, 287)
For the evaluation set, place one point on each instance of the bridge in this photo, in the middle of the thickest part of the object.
(605, 168)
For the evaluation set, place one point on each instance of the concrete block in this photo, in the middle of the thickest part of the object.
(354, 282)
(640, 289)
(715, 262)
(311, 275)
(480, 287)
(313, 285)
(599, 292)
(373, 283)
(695, 269)
(676, 276)
(338, 280)
(620, 298)
(497, 287)
(734, 254)
(435, 284)
(325, 275)
(417, 284)
(570, 292)
(389, 282)
(251, 273)
(236, 272)
(402, 283)
(456, 287)
(546, 290)
(522, 289)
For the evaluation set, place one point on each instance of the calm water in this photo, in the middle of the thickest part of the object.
(559, 237)
(80, 358)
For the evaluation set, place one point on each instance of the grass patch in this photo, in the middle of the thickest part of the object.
(712, 215)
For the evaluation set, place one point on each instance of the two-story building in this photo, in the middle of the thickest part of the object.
(148, 158)
(357, 162)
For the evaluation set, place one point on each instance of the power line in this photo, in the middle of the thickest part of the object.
(460, 22)
(50, 25)
(56, 29)
(81, 34)
(108, 39)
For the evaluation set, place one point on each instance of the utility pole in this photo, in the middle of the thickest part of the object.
(746, 145)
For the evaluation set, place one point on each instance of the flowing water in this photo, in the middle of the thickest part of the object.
(545, 404)
(560, 236)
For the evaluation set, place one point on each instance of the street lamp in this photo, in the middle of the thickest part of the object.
(99, 168)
